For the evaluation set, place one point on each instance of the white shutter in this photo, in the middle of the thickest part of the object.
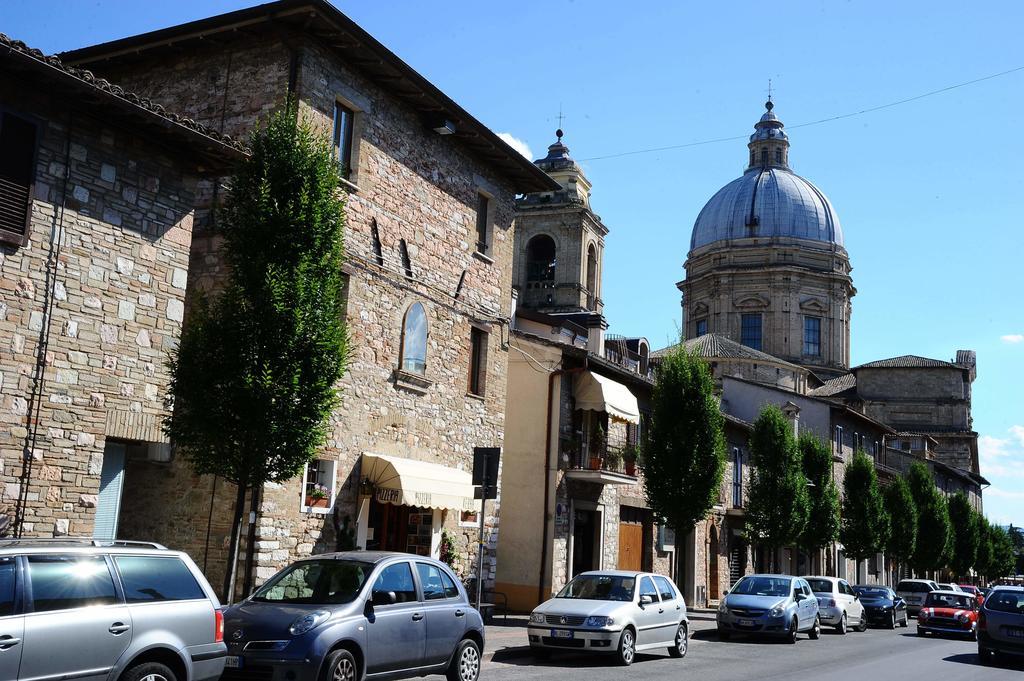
(108, 506)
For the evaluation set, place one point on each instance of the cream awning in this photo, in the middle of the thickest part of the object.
(406, 482)
(599, 393)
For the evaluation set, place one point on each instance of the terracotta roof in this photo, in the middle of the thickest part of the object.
(908, 362)
(17, 57)
(835, 386)
(717, 346)
(322, 21)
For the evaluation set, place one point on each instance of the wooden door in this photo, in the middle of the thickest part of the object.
(631, 542)
(713, 566)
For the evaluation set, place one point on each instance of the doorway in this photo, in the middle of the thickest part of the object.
(389, 527)
(586, 541)
(108, 503)
(713, 565)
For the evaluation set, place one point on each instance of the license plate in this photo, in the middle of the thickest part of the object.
(233, 662)
(561, 633)
(746, 623)
(1014, 632)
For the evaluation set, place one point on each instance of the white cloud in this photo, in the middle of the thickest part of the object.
(1002, 457)
(524, 149)
(1018, 434)
(1003, 494)
(1012, 338)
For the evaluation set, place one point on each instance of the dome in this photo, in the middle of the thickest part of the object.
(769, 200)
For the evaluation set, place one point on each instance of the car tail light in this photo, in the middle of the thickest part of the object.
(218, 626)
(982, 622)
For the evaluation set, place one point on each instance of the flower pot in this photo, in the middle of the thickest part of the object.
(317, 502)
(631, 468)
(595, 463)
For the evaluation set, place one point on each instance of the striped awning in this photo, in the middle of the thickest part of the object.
(599, 393)
(407, 482)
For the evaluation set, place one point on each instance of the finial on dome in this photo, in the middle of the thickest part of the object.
(559, 134)
(768, 105)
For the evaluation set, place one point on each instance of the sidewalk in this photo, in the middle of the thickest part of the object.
(506, 638)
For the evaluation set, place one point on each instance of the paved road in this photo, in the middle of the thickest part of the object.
(875, 655)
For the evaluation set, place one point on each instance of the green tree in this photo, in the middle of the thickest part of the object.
(865, 526)
(964, 535)
(1004, 560)
(822, 527)
(933, 527)
(983, 559)
(684, 451)
(254, 376)
(902, 511)
(778, 505)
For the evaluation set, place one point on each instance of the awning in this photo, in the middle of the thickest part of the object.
(599, 393)
(406, 482)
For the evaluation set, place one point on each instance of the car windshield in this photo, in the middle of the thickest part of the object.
(316, 582)
(947, 600)
(1005, 601)
(969, 589)
(913, 587)
(599, 588)
(762, 586)
(871, 592)
(820, 586)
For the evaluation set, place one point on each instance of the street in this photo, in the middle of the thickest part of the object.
(875, 655)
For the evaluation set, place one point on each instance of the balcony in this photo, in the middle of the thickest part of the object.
(604, 465)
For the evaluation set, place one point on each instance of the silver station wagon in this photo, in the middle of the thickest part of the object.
(615, 612)
(355, 615)
(92, 611)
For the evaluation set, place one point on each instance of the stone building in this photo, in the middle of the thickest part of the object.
(98, 189)
(429, 250)
(577, 400)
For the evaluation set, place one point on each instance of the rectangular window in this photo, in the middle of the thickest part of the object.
(318, 486)
(483, 224)
(737, 478)
(702, 327)
(477, 361)
(66, 582)
(17, 173)
(839, 441)
(812, 336)
(750, 330)
(469, 519)
(148, 579)
(343, 117)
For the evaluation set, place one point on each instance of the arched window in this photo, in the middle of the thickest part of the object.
(540, 258)
(764, 157)
(414, 340)
(778, 154)
(591, 276)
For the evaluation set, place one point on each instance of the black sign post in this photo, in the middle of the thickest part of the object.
(485, 475)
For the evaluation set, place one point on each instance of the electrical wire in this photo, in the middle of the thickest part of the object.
(830, 119)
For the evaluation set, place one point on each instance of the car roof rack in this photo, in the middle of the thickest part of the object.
(85, 541)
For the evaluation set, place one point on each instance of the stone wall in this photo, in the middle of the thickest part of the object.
(109, 253)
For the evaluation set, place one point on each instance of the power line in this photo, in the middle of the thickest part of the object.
(810, 123)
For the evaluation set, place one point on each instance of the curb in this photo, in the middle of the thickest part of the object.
(520, 652)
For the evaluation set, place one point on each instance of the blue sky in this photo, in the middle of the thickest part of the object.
(929, 193)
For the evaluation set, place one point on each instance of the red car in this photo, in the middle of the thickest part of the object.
(971, 589)
(949, 612)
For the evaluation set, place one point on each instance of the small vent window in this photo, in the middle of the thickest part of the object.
(17, 156)
(406, 262)
(378, 250)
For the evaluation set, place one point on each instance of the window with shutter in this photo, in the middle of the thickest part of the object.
(17, 173)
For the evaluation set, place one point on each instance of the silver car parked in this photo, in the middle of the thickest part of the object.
(352, 616)
(772, 605)
(614, 611)
(87, 610)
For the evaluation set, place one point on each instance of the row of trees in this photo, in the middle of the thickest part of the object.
(793, 499)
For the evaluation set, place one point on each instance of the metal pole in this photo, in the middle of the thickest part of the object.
(480, 540)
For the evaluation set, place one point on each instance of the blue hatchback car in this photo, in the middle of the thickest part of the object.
(769, 605)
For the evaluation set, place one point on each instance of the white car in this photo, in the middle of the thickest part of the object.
(612, 611)
(839, 605)
(943, 586)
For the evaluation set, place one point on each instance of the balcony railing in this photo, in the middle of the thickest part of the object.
(600, 458)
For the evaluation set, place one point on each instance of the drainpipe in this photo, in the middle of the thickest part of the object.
(547, 474)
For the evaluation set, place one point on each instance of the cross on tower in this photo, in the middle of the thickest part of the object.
(561, 117)
(769, 89)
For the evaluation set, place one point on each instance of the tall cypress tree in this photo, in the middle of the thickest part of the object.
(254, 377)
(964, 536)
(778, 507)
(933, 527)
(1004, 560)
(823, 496)
(684, 452)
(902, 511)
(983, 559)
(865, 526)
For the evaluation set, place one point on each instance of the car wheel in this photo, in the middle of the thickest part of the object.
(340, 666)
(794, 625)
(627, 647)
(984, 656)
(724, 635)
(906, 621)
(465, 665)
(892, 621)
(682, 642)
(149, 671)
(920, 631)
(842, 626)
(862, 625)
(815, 632)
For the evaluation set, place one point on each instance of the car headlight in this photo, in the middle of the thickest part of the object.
(537, 618)
(962, 618)
(309, 621)
(777, 612)
(921, 616)
(600, 621)
(722, 607)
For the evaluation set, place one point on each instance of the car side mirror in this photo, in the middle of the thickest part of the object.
(384, 598)
(798, 597)
(646, 599)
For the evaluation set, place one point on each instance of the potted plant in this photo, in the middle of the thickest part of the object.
(597, 446)
(630, 455)
(317, 496)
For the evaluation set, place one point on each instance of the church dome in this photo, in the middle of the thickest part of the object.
(769, 200)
